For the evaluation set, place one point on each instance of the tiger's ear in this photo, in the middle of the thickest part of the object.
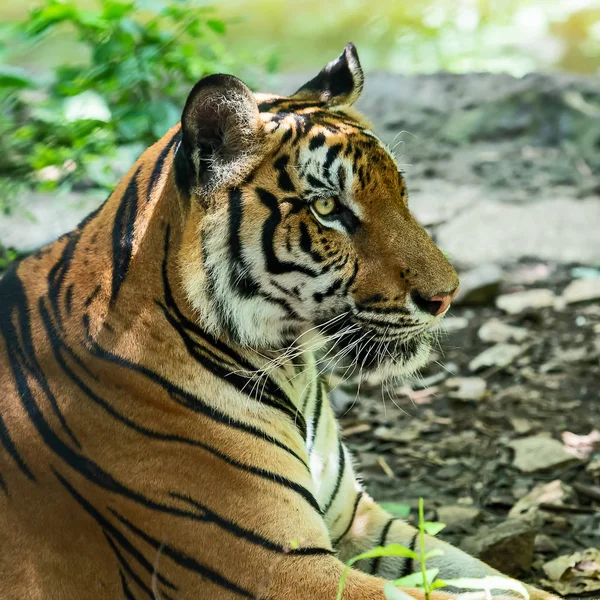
(221, 133)
(338, 84)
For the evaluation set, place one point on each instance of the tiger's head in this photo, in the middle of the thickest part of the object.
(299, 224)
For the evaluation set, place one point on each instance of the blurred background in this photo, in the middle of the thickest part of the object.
(492, 108)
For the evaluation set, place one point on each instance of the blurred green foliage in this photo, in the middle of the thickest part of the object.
(60, 127)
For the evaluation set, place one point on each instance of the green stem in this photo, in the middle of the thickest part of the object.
(422, 549)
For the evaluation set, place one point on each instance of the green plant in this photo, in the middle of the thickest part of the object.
(427, 578)
(139, 60)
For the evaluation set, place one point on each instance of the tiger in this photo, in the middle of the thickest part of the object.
(165, 425)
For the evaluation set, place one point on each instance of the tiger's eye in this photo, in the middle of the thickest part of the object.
(324, 206)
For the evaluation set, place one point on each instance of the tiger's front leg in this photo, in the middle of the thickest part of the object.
(357, 523)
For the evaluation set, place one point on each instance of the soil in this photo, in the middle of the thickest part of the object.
(457, 451)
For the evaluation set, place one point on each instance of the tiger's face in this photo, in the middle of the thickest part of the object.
(313, 239)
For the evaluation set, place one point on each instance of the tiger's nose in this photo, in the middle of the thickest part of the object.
(434, 305)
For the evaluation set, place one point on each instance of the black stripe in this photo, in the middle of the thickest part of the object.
(193, 402)
(316, 417)
(306, 243)
(184, 560)
(283, 177)
(240, 279)
(69, 298)
(268, 395)
(57, 344)
(108, 527)
(59, 270)
(127, 568)
(158, 166)
(340, 476)
(382, 538)
(92, 296)
(126, 591)
(122, 235)
(383, 310)
(407, 567)
(246, 534)
(352, 517)
(3, 484)
(273, 264)
(332, 153)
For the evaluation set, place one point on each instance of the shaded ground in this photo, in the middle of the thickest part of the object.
(455, 451)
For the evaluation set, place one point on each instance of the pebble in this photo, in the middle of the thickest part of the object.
(544, 544)
(451, 324)
(582, 290)
(458, 518)
(467, 388)
(496, 331)
(513, 304)
(479, 285)
(500, 356)
(540, 453)
(555, 492)
(507, 547)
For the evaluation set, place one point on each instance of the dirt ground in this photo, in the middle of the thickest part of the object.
(447, 437)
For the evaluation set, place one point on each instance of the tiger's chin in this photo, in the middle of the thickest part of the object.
(379, 363)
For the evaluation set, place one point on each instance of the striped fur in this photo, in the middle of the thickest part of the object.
(164, 429)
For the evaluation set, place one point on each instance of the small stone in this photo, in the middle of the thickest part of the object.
(388, 434)
(513, 304)
(521, 426)
(451, 324)
(496, 331)
(544, 544)
(507, 547)
(479, 285)
(500, 356)
(458, 518)
(467, 388)
(582, 290)
(540, 453)
(555, 492)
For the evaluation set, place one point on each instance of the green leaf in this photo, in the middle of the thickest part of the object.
(432, 527)
(396, 509)
(381, 551)
(490, 582)
(13, 77)
(217, 26)
(416, 579)
(393, 593)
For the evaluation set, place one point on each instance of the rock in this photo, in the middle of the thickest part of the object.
(458, 518)
(540, 453)
(544, 544)
(500, 356)
(467, 388)
(450, 324)
(521, 426)
(576, 574)
(556, 493)
(479, 285)
(42, 217)
(496, 331)
(515, 303)
(582, 290)
(507, 547)
(561, 230)
(389, 434)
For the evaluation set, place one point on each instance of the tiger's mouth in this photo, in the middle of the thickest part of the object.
(356, 350)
